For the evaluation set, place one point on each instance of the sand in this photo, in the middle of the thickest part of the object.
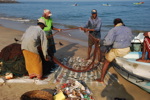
(121, 89)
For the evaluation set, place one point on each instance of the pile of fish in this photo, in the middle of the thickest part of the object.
(73, 90)
(62, 74)
(76, 63)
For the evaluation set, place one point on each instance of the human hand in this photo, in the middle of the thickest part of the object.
(86, 30)
(98, 40)
(59, 30)
(48, 58)
(81, 28)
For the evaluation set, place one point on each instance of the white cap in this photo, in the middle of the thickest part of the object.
(40, 20)
(47, 12)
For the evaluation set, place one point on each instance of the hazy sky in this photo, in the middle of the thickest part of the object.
(82, 0)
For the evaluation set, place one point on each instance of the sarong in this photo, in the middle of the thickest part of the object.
(147, 44)
(33, 64)
(51, 43)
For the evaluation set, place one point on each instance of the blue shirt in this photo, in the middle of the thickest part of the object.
(119, 37)
(96, 25)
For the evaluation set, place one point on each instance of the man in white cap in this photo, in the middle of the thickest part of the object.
(48, 30)
(34, 37)
(93, 26)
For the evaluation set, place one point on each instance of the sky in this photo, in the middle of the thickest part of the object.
(82, 0)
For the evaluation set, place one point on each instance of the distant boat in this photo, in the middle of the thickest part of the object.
(138, 3)
(75, 4)
(106, 4)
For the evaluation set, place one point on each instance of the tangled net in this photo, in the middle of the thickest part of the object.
(87, 67)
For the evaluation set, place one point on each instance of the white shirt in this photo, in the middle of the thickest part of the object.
(32, 38)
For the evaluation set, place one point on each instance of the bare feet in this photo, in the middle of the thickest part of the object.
(87, 58)
(31, 77)
(42, 78)
(99, 80)
(141, 60)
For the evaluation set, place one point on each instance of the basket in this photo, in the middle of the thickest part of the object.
(36, 95)
(136, 46)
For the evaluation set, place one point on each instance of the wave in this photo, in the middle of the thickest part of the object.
(16, 19)
(105, 28)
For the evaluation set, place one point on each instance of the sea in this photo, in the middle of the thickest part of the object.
(66, 15)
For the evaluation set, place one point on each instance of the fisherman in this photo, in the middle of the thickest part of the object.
(146, 48)
(48, 30)
(93, 26)
(120, 38)
(34, 37)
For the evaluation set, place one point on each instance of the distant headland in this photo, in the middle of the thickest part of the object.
(8, 1)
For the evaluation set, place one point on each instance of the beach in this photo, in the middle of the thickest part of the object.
(121, 89)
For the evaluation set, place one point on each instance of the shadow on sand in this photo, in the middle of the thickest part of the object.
(67, 50)
(115, 91)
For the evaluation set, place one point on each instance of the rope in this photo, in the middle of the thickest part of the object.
(87, 68)
(61, 31)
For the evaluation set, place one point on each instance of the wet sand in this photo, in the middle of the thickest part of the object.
(121, 89)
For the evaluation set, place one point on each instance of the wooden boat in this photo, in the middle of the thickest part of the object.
(136, 72)
(138, 3)
(106, 4)
(75, 4)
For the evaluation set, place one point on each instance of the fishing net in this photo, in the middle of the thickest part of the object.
(13, 61)
(71, 33)
(77, 67)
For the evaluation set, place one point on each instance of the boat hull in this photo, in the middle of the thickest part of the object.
(136, 72)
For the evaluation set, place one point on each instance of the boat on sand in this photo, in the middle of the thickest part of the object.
(134, 71)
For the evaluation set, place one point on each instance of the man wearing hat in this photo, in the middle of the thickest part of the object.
(119, 38)
(34, 37)
(48, 30)
(93, 26)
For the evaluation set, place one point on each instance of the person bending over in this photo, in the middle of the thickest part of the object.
(34, 37)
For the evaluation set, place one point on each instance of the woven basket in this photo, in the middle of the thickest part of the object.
(36, 95)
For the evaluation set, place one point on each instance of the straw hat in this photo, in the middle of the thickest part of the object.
(47, 12)
(40, 20)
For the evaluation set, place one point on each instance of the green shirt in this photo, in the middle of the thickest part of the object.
(49, 24)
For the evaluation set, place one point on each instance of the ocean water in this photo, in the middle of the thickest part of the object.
(65, 15)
